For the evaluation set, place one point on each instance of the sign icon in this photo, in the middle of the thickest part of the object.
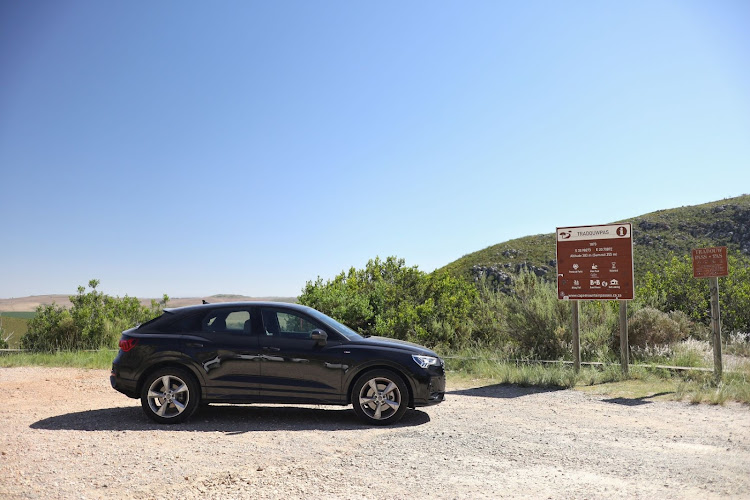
(614, 283)
(622, 231)
(594, 267)
(575, 266)
(565, 235)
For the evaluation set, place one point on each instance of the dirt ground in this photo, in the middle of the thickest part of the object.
(64, 433)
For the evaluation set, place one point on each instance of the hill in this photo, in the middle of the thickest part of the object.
(656, 236)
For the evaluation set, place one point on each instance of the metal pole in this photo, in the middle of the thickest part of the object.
(716, 325)
(624, 351)
(576, 336)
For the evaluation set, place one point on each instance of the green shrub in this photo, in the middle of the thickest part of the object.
(537, 320)
(652, 327)
(95, 320)
(600, 324)
(675, 289)
(489, 317)
(387, 298)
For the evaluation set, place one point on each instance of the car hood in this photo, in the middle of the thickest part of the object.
(396, 344)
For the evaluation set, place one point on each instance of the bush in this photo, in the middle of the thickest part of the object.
(652, 327)
(600, 326)
(95, 320)
(387, 298)
(537, 320)
(489, 317)
(675, 289)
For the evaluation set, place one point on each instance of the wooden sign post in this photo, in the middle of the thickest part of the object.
(711, 263)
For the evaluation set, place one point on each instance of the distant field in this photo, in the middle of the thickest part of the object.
(18, 314)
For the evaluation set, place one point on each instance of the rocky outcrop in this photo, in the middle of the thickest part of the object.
(722, 225)
(735, 230)
(502, 276)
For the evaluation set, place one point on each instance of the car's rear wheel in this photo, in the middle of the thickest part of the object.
(170, 395)
(380, 397)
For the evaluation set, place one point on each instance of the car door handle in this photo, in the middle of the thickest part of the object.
(194, 344)
(271, 349)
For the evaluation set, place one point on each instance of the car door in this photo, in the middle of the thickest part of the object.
(294, 367)
(226, 350)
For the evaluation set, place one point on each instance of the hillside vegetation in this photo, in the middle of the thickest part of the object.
(504, 297)
(657, 237)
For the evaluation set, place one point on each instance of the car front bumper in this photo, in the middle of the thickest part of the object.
(431, 390)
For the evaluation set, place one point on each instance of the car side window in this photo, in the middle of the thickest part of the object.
(228, 321)
(287, 324)
(186, 324)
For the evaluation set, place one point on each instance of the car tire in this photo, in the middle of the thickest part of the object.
(380, 397)
(170, 395)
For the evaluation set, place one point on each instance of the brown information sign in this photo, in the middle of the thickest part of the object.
(595, 262)
(710, 262)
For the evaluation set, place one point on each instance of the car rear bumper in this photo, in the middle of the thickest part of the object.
(125, 386)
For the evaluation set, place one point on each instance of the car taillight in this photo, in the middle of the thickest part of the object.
(128, 344)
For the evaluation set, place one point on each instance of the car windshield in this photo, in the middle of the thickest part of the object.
(339, 327)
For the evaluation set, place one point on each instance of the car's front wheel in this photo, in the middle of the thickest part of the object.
(170, 395)
(380, 397)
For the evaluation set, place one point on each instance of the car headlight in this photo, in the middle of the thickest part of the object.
(425, 361)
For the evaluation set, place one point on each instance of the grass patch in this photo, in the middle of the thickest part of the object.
(703, 389)
(101, 359)
(641, 383)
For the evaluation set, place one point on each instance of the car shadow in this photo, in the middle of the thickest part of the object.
(230, 419)
(503, 391)
(635, 401)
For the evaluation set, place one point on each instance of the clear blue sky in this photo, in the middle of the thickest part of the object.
(195, 148)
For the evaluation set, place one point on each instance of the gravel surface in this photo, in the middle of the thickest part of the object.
(66, 434)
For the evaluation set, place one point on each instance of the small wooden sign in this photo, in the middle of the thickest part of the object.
(710, 262)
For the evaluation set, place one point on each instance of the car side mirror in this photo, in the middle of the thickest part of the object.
(319, 336)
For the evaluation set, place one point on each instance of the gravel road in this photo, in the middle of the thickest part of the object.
(64, 433)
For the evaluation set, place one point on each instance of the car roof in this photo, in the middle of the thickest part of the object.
(214, 305)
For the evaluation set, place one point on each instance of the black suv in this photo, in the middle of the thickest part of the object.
(252, 352)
